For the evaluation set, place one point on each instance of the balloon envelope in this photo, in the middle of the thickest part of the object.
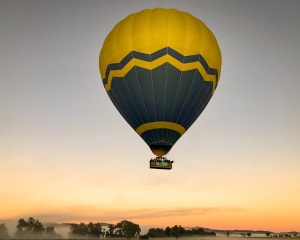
(160, 67)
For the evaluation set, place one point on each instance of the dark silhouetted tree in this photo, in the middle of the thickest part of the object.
(22, 228)
(95, 230)
(51, 234)
(201, 232)
(3, 231)
(78, 230)
(168, 231)
(156, 232)
(177, 231)
(128, 229)
(32, 228)
(86, 230)
(35, 226)
(111, 230)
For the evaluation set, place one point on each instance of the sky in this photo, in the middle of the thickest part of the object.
(66, 154)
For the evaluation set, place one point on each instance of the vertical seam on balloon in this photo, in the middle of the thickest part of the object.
(181, 74)
(185, 44)
(138, 117)
(200, 47)
(152, 137)
(168, 44)
(193, 102)
(195, 72)
(135, 70)
(186, 95)
(172, 135)
(166, 80)
(176, 97)
(178, 87)
(200, 110)
(151, 74)
(128, 109)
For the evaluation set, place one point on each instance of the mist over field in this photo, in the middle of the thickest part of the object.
(63, 230)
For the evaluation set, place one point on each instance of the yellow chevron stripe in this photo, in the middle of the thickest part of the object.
(154, 64)
(155, 125)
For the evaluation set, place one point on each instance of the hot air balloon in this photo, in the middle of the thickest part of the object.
(160, 67)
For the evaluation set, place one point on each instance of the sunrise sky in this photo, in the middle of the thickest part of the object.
(66, 154)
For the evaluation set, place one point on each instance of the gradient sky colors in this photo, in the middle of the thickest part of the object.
(67, 155)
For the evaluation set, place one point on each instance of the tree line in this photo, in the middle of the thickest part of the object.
(177, 231)
(122, 229)
(33, 229)
(30, 229)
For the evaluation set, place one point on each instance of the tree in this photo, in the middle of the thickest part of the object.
(156, 232)
(111, 230)
(87, 230)
(200, 232)
(168, 231)
(177, 231)
(32, 228)
(51, 234)
(3, 232)
(78, 229)
(22, 228)
(128, 229)
(35, 226)
(95, 229)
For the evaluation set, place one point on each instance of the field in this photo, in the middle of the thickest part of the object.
(228, 238)
(220, 237)
(224, 237)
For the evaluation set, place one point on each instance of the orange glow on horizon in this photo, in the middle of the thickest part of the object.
(226, 220)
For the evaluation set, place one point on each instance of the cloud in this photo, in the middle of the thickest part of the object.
(176, 212)
(90, 213)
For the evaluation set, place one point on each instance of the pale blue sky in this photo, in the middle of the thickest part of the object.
(59, 128)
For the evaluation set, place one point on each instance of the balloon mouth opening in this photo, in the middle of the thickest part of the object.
(160, 149)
